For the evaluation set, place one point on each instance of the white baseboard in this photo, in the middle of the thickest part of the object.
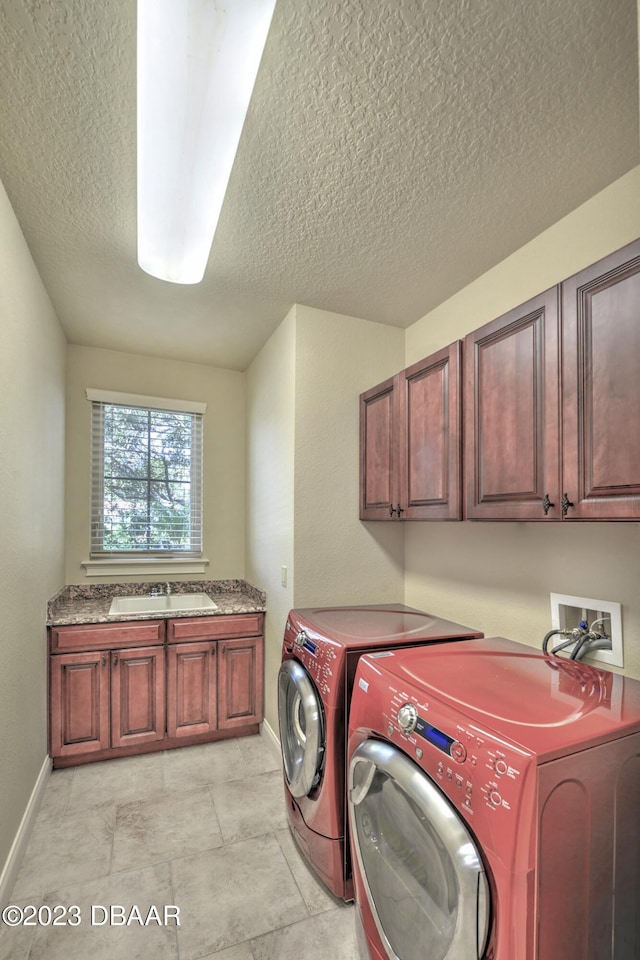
(19, 845)
(272, 741)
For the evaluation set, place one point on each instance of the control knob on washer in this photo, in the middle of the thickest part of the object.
(408, 717)
(301, 638)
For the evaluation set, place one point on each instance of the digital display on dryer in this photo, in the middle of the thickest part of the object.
(439, 739)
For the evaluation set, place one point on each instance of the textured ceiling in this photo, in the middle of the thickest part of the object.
(393, 151)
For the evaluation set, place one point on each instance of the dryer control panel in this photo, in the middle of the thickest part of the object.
(317, 654)
(302, 640)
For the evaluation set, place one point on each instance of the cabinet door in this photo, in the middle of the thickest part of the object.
(191, 688)
(431, 454)
(512, 455)
(601, 388)
(137, 695)
(79, 703)
(240, 682)
(380, 420)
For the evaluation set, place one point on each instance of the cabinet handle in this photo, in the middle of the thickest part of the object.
(392, 510)
(399, 509)
(546, 503)
(213, 650)
(223, 648)
(566, 503)
(115, 660)
(104, 661)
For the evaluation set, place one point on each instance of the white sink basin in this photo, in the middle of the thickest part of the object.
(177, 602)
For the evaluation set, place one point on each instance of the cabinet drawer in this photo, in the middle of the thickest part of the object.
(214, 628)
(106, 636)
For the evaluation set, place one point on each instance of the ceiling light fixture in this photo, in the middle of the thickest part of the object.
(197, 65)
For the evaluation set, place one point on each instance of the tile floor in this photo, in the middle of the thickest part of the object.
(203, 828)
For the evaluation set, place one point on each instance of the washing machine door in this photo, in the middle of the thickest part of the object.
(424, 878)
(301, 721)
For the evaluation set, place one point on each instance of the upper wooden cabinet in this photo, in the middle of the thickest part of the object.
(601, 389)
(410, 442)
(551, 397)
(552, 402)
(512, 413)
(380, 418)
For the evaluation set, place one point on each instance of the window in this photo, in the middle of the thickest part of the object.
(146, 476)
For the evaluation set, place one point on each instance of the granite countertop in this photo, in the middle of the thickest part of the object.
(75, 604)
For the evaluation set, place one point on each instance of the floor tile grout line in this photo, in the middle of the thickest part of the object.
(251, 940)
(254, 767)
(187, 856)
(293, 876)
(154, 863)
(175, 902)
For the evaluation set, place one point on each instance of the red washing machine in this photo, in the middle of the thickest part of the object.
(494, 805)
(320, 653)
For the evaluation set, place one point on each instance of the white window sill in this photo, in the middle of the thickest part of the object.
(144, 566)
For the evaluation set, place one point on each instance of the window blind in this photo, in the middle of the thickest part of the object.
(146, 481)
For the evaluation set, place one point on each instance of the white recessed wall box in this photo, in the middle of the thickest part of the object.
(567, 612)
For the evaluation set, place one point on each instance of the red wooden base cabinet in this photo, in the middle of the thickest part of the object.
(214, 670)
(124, 688)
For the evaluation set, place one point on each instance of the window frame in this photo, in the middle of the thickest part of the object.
(99, 556)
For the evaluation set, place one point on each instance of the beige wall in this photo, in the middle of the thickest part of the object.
(32, 361)
(497, 576)
(224, 448)
(270, 482)
(337, 558)
(603, 224)
(302, 503)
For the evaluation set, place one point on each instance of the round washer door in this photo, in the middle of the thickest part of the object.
(424, 878)
(301, 722)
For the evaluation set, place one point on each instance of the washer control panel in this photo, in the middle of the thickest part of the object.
(408, 717)
(473, 767)
(409, 721)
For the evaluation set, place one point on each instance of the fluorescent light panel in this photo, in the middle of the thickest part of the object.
(197, 65)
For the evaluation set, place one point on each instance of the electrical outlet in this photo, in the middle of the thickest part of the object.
(567, 612)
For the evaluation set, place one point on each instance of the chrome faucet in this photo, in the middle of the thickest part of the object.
(168, 589)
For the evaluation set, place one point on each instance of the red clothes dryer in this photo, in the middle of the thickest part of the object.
(320, 652)
(494, 805)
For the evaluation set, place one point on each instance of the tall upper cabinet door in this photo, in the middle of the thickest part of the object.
(601, 384)
(430, 465)
(511, 391)
(380, 426)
